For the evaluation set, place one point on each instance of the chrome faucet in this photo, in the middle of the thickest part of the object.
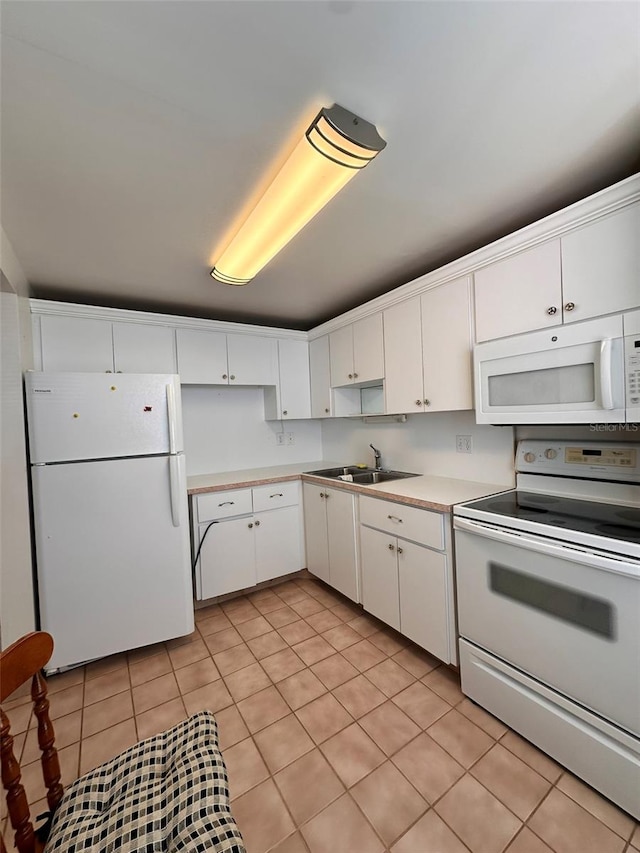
(378, 457)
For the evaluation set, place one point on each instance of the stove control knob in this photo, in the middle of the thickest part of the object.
(529, 457)
(550, 453)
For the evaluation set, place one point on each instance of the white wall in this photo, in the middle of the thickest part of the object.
(17, 615)
(225, 430)
(426, 444)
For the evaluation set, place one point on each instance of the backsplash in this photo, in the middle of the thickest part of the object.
(426, 444)
(225, 430)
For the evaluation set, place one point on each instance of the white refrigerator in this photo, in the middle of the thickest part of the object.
(110, 510)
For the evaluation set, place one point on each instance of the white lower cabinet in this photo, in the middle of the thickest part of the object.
(330, 532)
(408, 584)
(250, 536)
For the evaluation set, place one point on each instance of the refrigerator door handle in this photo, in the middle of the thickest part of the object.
(172, 416)
(174, 489)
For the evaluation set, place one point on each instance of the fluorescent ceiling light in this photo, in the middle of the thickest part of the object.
(333, 150)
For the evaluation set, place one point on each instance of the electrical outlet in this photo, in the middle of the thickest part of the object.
(291, 438)
(464, 444)
(280, 438)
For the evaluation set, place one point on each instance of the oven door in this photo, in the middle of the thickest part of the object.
(572, 374)
(565, 615)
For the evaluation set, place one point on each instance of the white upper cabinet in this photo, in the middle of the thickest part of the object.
(368, 349)
(446, 347)
(138, 348)
(253, 360)
(427, 351)
(213, 358)
(520, 293)
(403, 384)
(76, 344)
(356, 352)
(294, 383)
(202, 357)
(291, 397)
(320, 377)
(586, 273)
(601, 266)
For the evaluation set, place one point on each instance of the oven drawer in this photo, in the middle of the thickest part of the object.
(572, 625)
(601, 754)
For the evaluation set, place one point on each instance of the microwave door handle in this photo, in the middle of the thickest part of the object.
(606, 383)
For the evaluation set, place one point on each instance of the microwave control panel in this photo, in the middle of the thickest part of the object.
(632, 371)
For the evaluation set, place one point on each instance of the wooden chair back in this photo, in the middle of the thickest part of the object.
(21, 661)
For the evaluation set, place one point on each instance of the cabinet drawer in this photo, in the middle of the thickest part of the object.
(408, 522)
(224, 504)
(274, 495)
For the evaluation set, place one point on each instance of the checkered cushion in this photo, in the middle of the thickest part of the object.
(168, 793)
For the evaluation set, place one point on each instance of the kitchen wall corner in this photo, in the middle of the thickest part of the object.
(17, 611)
(225, 430)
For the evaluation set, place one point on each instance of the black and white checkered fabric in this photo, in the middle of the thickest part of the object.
(168, 793)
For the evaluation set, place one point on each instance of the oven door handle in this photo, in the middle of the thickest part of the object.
(576, 554)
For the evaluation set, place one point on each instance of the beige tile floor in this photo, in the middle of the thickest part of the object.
(339, 736)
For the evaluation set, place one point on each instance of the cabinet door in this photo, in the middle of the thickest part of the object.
(315, 528)
(341, 356)
(403, 357)
(424, 610)
(517, 294)
(253, 360)
(446, 347)
(202, 357)
(227, 561)
(295, 391)
(601, 266)
(343, 573)
(76, 344)
(278, 543)
(320, 377)
(379, 567)
(144, 349)
(368, 349)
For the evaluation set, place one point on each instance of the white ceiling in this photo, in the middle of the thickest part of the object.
(134, 132)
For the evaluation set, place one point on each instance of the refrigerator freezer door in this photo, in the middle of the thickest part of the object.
(75, 416)
(113, 571)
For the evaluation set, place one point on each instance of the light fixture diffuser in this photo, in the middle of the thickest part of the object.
(333, 150)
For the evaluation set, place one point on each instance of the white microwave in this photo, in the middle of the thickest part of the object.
(578, 373)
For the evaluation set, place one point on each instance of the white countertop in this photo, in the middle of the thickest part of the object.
(439, 493)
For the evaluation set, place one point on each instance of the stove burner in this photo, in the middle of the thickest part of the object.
(630, 515)
(620, 531)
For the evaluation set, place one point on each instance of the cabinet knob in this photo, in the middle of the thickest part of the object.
(322, 494)
(224, 376)
(108, 371)
(257, 524)
(327, 411)
(427, 402)
(355, 375)
(285, 412)
(418, 402)
(327, 495)
(569, 306)
(351, 376)
(552, 310)
(249, 526)
(391, 547)
(232, 376)
(399, 550)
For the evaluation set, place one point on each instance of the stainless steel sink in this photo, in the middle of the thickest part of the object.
(369, 478)
(364, 477)
(336, 473)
